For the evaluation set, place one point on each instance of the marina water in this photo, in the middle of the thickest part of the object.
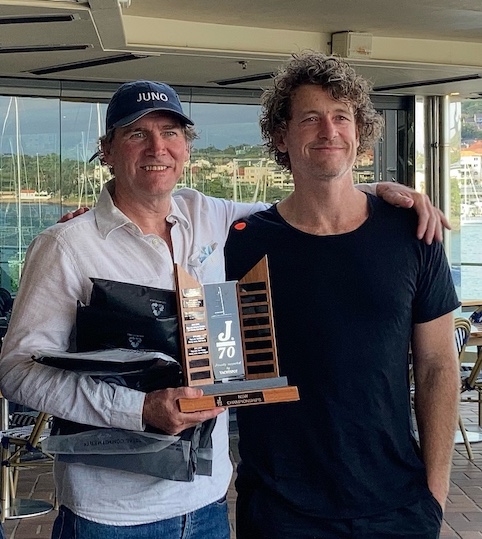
(465, 244)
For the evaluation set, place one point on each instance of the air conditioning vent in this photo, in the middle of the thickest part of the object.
(38, 19)
(43, 48)
(86, 63)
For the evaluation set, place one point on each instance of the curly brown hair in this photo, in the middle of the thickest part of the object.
(335, 76)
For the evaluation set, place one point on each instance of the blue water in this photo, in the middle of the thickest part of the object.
(34, 218)
(466, 245)
(466, 248)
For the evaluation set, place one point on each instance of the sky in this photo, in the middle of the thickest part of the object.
(46, 125)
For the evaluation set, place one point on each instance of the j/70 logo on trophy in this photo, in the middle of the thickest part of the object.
(224, 330)
(226, 345)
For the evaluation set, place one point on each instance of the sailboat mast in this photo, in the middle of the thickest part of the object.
(99, 131)
(19, 190)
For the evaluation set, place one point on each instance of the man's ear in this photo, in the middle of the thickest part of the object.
(279, 140)
(106, 155)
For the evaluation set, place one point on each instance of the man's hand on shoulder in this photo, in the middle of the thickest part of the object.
(71, 214)
(431, 220)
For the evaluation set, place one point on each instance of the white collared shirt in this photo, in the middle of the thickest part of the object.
(104, 243)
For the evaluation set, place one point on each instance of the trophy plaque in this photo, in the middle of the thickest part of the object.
(228, 344)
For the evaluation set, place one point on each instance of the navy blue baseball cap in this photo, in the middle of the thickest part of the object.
(133, 100)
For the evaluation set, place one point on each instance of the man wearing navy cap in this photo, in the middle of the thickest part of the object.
(137, 232)
(134, 100)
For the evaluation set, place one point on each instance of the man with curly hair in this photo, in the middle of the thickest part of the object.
(139, 229)
(352, 289)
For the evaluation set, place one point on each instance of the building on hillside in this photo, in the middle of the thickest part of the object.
(471, 164)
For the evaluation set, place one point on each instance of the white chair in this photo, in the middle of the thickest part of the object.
(462, 334)
(472, 378)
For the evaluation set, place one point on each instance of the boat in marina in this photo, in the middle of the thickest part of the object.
(25, 195)
(471, 219)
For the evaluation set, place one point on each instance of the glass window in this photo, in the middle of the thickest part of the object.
(466, 194)
(81, 125)
(229, 160)
(46, 144)
(29, 178)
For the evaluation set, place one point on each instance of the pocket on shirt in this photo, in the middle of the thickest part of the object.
(211, 269)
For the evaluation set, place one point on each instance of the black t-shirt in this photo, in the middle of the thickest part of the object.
(344, 307)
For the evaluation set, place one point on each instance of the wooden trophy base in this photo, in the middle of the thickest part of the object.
(242, 393)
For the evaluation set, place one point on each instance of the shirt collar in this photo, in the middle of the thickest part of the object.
(109, 217)
(176, 214)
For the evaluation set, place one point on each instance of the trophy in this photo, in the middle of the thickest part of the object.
(228, 346)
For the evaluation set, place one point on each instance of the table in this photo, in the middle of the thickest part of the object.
(470, 304)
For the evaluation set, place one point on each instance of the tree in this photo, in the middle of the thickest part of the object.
(470, 131)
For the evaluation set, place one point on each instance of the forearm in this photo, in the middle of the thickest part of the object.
(69, 395)
(436, 410)
(43, 317)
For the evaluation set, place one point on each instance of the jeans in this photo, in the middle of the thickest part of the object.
(2, 534)
(210, 522)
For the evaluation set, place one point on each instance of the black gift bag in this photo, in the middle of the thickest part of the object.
(124, 315)
(136, 317)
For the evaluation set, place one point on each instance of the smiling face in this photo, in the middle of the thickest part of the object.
(148, 156)
(321, 137)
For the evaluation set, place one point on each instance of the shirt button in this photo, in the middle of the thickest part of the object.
(155, 242)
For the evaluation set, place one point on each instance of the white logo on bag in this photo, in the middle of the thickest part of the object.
(152, 96)
(157, 308)
(135, 341)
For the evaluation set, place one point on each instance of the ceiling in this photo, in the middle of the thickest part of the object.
(430, 47)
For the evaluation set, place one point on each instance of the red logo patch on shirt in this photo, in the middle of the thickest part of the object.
(240, 226)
